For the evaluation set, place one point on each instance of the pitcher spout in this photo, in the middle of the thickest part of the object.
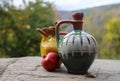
(41, 32)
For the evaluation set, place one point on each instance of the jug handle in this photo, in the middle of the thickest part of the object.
(62, 22)
(76, 22)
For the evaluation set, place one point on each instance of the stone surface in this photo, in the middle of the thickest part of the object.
(30, 69)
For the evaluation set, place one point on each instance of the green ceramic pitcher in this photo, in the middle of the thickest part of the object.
(77, 49)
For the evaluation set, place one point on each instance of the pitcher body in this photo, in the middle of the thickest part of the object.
(77, 49)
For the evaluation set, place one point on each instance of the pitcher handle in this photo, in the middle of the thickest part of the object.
(62, 22)
(76, 22)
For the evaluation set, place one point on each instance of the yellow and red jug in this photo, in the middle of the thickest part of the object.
(48, 42)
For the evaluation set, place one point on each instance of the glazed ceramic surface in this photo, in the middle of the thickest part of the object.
(77, 49)
(48, 42)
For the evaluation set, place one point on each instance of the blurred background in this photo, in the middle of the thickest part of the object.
(20, 18)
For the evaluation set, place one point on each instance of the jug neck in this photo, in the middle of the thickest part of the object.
(77, 21)
(78, 26)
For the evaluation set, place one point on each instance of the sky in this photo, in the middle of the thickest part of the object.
(75, 4)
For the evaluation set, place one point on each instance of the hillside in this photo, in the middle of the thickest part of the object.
(95, 18)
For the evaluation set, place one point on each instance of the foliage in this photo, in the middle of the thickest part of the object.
(110, 46)
(18, 33)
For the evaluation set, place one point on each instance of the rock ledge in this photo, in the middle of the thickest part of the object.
(29, 69)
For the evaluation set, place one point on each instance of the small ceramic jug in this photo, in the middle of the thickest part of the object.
(48, 42)
(77, 49)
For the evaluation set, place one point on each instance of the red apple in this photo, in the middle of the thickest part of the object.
(50, 61)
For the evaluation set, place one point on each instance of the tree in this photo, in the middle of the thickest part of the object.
(18, 27)
(111, 40)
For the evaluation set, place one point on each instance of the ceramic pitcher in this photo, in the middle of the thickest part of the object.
(48, 42)
(77, 49)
